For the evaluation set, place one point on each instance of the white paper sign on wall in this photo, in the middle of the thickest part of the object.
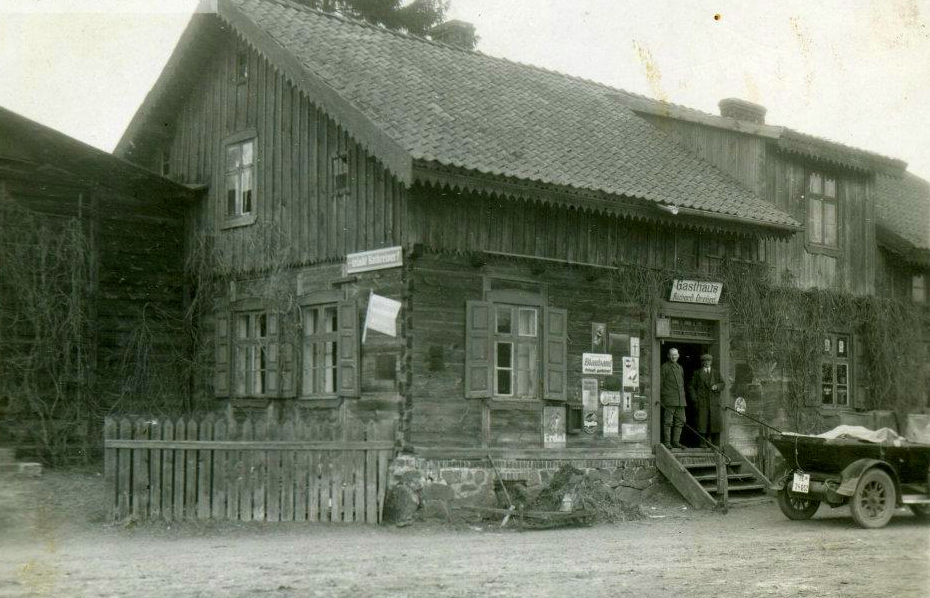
(597, 363)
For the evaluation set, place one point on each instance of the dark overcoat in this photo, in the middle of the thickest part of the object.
(672, 385)
(706, 400)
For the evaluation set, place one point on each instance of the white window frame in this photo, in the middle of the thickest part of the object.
(837, 356)
(517, 338)
(239, 178)
(819, 197)
(254, 336)
(314, 381)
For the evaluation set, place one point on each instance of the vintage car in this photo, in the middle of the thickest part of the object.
(874, 472)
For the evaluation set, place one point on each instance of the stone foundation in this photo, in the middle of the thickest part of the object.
(436, 489)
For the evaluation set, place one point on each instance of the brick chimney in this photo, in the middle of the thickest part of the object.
(455, 33)
(742, 110)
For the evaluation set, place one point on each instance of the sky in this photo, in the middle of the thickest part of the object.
(857, 72)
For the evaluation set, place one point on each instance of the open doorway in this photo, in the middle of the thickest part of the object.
(689, 358)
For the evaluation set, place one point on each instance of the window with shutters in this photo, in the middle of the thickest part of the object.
(822, 210)
(919, 288)
(835, 372)
(320, 350)
(515, 351)
(254, 353)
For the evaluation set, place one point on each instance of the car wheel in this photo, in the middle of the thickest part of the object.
(795, 506)
(875, 499)
(921, 512)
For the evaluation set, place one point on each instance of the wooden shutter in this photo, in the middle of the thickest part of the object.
(348, 350)
(221, 357)
(272, 387)
(555, 354)
(859, 386)
(478, 371)
(286, 370)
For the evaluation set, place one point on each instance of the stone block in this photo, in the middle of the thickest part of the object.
(452, 476)
(645, 473)
(400, 505)
(437, 492)
(434, 510)
(414, 479)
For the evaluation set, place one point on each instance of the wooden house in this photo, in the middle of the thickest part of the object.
(90, 257)
(531, 227)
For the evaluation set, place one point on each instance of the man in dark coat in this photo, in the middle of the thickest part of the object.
(705, 388)
(672, 397)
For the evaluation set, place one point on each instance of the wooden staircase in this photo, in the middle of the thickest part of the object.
(705, 480)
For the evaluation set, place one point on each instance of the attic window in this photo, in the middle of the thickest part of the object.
(240, 188)
(822, 221)
(341, 173)
(242, 66)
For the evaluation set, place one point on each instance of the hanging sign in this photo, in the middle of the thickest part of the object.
(590, 422)
(611, 420)
(376, 259)
(630, 372)
(610, 397)
(696, 291)
(381, 315)
(597, 363)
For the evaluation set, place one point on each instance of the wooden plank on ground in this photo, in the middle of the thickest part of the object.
(219, 487)
(245, 471)
(167, 473)
(190, 474)
(180, 463)
(155, 432)
(110, 467)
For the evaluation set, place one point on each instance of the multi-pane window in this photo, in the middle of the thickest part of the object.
(919, 288)
(835, 376)
(341, 173)
(516, 351)
(242, 66)
(320, 349)
(240, 166)
(253, 351)
(822, 210)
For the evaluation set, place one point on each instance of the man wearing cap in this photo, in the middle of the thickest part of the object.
(672, 397)
(705, 388)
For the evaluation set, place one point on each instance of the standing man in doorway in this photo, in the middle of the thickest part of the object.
(672, 397)
(706, 385)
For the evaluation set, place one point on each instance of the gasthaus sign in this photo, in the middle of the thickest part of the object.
(696, 291)
(377, 259)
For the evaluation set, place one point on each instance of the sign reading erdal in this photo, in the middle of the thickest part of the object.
(696, 291)
(376, 259)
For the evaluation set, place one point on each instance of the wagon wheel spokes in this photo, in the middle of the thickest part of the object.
(874, 500)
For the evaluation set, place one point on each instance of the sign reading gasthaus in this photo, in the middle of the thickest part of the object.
(376, 259)
(696, 291)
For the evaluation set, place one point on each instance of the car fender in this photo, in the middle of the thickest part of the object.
(849, 478)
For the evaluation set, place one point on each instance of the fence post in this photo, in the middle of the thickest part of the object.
(167, 473)
(155, 482)
(180, 463)
(109, 468)
(204, 469)
(220, 471)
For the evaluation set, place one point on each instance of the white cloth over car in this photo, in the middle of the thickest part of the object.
(880, 436)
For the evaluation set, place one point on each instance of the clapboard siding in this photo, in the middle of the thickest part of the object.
(780, 178)
(298, 213)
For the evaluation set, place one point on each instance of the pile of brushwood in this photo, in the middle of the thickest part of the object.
(572, 489)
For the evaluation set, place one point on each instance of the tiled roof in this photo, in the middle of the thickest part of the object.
(467, 110)
(903, 206)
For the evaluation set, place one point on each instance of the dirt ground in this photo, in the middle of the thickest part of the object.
(54, 542)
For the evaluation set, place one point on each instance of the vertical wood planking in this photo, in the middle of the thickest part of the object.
(204, 471)
(274, 460)
(259, 474)
(125, 472)
(313, 489)
(190, 474)
(246, 472)
(325, 481)
(140, 473)
(155, 433)
(220, 471)
(110, 467)
(233, 471)
(180, 464)
(287, 474)
(167, 473)
(338, 461)
(371, 486)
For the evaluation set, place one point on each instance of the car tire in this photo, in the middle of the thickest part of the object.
(795, 506)
(875, 499)
(921, 512)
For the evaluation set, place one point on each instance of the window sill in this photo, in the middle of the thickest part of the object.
(238, 221)
(823, 250)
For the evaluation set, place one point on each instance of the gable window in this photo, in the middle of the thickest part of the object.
(240, 166)
(822, 220)
(242, 66)
(320, 349)
(919, 288)
(340, 169)
(835, 375)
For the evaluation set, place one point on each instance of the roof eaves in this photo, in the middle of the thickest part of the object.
(395, 157)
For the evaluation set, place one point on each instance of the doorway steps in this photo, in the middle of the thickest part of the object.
(707, 482)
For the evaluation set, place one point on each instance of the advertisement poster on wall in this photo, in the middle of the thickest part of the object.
(631, 372)
(611, 420)
(589, 394)
(554, 422)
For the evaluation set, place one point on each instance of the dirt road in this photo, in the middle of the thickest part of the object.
(53, 543)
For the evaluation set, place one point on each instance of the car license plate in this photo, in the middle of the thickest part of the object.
(801, 483)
